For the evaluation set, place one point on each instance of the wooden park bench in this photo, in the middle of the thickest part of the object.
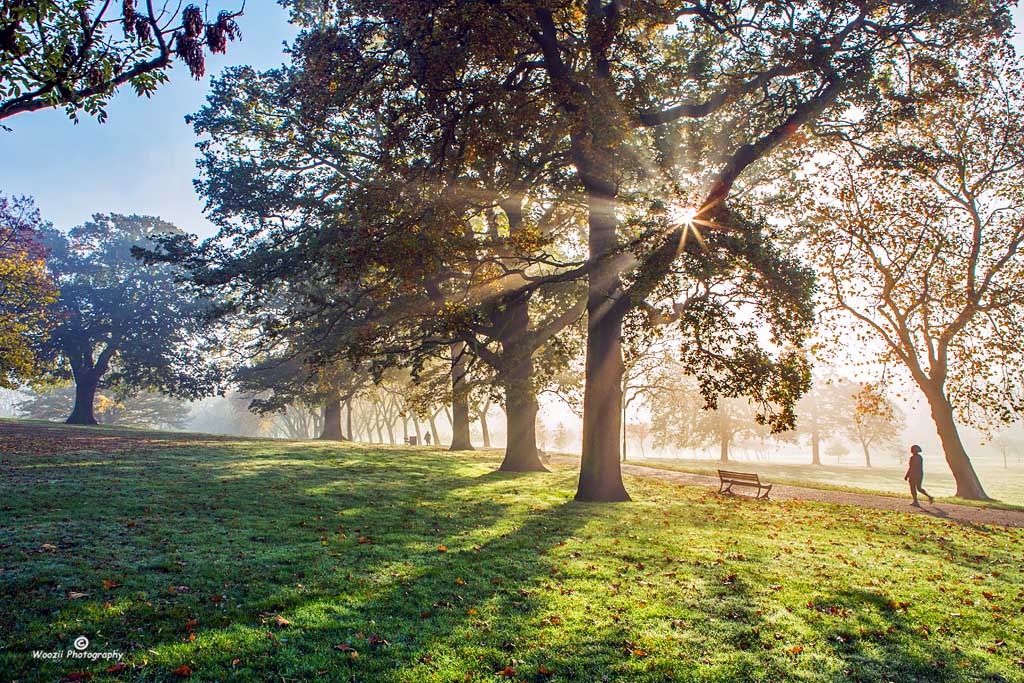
(729, 479)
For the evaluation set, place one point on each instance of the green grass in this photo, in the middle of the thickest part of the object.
(1005, 485)
(203, 544)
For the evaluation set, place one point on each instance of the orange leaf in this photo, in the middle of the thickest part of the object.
(442, 548)
(507, 672)
(114, 668)
(281, 621)
(459, 582)
(108, 584)
(184, 671)
(543, 670)
(795, 650)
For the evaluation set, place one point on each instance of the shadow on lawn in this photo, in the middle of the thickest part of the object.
(348, 549)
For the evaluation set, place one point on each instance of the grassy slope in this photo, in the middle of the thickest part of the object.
(215, 539)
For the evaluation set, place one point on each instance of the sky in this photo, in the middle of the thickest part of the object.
(142, 160)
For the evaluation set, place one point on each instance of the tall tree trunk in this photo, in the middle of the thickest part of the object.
(83, 413)
(967, 483)
(723, 452)
(348, 419)
(815, 448)
(600, 470)
(520, 401)
(332, 419)
(484, 431)
(521, 419)
(867, 455)
(416, 426)
(460, 400)
(433, 430)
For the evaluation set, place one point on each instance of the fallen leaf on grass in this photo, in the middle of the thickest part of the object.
(77, 676)
(544, 671)
(114, 668)
(184, 671)
(795, 650)
(281, 621)
(75, 595)
(109, 584)
(507, 672)
(442, 548)
(459, 582)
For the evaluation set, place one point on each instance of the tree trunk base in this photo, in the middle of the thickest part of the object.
(522, 462)
(610, 494)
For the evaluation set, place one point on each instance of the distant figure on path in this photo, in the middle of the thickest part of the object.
(915, 475)
(426, 438)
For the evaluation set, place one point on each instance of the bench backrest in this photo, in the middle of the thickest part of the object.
(739, 476)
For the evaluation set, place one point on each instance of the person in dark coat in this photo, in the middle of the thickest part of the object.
(915, 475)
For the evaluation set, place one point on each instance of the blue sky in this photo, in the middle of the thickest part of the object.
(143, 159)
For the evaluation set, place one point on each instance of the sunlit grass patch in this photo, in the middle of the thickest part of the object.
(254, 561)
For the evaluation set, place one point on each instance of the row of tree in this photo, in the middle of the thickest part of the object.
(582, 176)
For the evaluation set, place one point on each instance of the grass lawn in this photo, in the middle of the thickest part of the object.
(220, 560)
(1006, 486)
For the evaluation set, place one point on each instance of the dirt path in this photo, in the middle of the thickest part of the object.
(962, 514)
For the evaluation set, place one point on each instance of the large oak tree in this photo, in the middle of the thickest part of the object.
(919, 241)
(120, 323)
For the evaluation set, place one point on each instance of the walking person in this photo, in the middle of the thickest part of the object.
(915, 475)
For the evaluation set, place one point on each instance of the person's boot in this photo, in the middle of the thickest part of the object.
(915, 504)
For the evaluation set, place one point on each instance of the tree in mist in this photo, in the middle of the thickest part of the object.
(282, 385)
(917, 236)
(119, 323)
(424, 234)
(72, 54)
(624, 81)
(26, 291)
(825, 412)
(142, 409)
(875, 420)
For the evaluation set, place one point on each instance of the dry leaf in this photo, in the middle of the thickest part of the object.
(281, 621)
(184, 671)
